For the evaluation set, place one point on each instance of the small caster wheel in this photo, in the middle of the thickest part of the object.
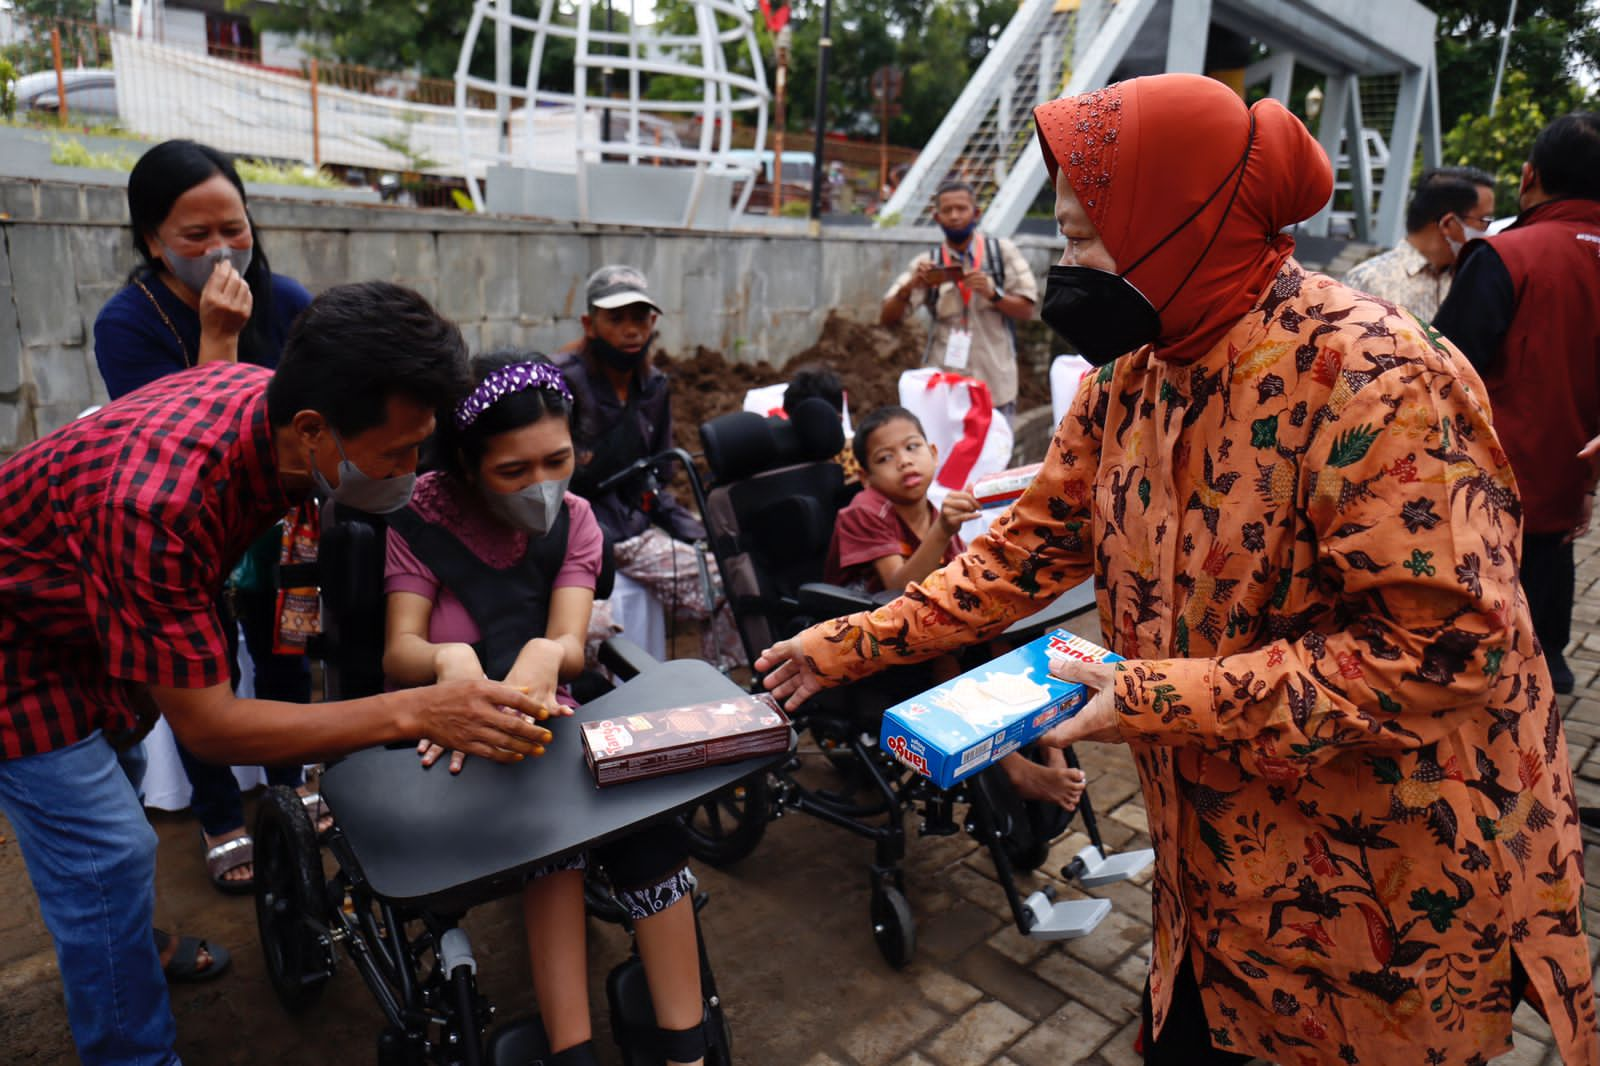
(893, 927)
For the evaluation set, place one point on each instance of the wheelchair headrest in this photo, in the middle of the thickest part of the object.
(742, 443)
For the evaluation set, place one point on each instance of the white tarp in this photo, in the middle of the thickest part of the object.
(165, 92)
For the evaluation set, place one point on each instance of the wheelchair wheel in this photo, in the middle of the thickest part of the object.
(832, 737)
(290, 893)
(893, 926)
(727, 827)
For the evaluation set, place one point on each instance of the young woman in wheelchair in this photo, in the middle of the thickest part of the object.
(891, 536)
(491, 572)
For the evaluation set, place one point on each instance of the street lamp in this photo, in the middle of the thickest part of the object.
(824, 47)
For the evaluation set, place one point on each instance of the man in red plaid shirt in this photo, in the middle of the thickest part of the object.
(116, 534)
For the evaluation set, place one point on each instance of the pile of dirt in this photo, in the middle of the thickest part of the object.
(868, 358)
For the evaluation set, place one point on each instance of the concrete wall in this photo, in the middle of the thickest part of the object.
(65, 248)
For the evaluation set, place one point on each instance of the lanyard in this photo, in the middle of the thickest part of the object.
(961, 286)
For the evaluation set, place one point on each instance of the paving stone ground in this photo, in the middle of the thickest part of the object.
(789, 935)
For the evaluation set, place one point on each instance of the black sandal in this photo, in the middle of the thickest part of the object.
(184, 966)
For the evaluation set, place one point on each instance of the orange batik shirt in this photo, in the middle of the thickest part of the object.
(1305, 543)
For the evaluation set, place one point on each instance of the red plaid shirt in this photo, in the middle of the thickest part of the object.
(116, 533)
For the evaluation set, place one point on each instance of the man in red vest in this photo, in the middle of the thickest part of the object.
(1525, 309)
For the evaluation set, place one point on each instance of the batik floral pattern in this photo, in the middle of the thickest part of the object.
(1305, 544)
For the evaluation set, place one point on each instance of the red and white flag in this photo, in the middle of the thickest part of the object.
(776, 20)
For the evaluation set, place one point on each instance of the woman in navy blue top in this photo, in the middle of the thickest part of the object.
(205, 293)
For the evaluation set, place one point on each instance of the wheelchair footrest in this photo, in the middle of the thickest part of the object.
(1064, 920)
(1091, 868)
(518, 1043)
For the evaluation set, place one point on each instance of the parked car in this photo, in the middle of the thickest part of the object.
(797, 167)
(89, 92)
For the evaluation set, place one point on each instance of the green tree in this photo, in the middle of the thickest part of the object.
(1501, 144)
(1555, 44)
(83, 10)
(938, 45)
(424, 37)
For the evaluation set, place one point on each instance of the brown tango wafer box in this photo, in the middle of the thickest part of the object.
(635, 746)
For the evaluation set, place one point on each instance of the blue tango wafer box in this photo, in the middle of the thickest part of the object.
(957, 728)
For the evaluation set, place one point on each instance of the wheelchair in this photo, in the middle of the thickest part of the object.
(769, 512)
(413, 850)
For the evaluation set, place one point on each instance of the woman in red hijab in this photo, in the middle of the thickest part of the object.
(1304, 540)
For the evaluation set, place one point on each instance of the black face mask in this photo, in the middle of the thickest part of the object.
(1101, 314)
(617, 359)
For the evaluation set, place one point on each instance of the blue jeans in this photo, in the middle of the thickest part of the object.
(92, 858)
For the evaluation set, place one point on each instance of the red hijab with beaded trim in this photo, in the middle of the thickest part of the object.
(1143, 155)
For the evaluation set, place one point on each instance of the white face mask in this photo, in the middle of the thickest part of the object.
(1470, 234)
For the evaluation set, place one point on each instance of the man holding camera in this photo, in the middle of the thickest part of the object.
(974, 287)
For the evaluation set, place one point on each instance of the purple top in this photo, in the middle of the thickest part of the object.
(441, 502)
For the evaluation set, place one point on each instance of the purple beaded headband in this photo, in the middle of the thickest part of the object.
(504, 382)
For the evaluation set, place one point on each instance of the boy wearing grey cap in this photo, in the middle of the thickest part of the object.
(627, 415)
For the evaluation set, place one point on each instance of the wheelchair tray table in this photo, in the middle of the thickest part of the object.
(425, 836)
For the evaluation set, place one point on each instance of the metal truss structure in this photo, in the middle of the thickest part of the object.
(720, 59)
(1371, 58)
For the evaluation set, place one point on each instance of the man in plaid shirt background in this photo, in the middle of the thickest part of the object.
(116, 534)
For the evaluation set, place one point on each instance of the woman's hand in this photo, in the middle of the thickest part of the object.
(225, 305)
(452, 662)
(788, 675)
(1096, 720)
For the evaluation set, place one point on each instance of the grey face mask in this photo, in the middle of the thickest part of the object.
(374, 495)
(532, 509)
(195, 270)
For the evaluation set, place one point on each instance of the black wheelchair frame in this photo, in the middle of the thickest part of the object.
(1017, 833)
(416, 959)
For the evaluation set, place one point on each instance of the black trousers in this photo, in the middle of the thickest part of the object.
(1186, 1038)
(1549, 577)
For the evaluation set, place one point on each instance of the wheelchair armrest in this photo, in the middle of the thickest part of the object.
(821, 600)
(625, 659)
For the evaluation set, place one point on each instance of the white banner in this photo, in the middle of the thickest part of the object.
(165, 92)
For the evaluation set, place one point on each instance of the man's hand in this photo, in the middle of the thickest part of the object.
(1591, 450)
(958, 509)
(484, 718)
(788, 675)
(929, 275)
(1096, 720)
(981, 282)
(225, 303)
(1054, 782)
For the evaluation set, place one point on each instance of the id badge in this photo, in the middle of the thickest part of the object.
(958, 350)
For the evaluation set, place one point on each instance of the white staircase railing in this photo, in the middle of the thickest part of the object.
(1049, 48)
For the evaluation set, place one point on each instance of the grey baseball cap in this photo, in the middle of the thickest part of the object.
(618, 286)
